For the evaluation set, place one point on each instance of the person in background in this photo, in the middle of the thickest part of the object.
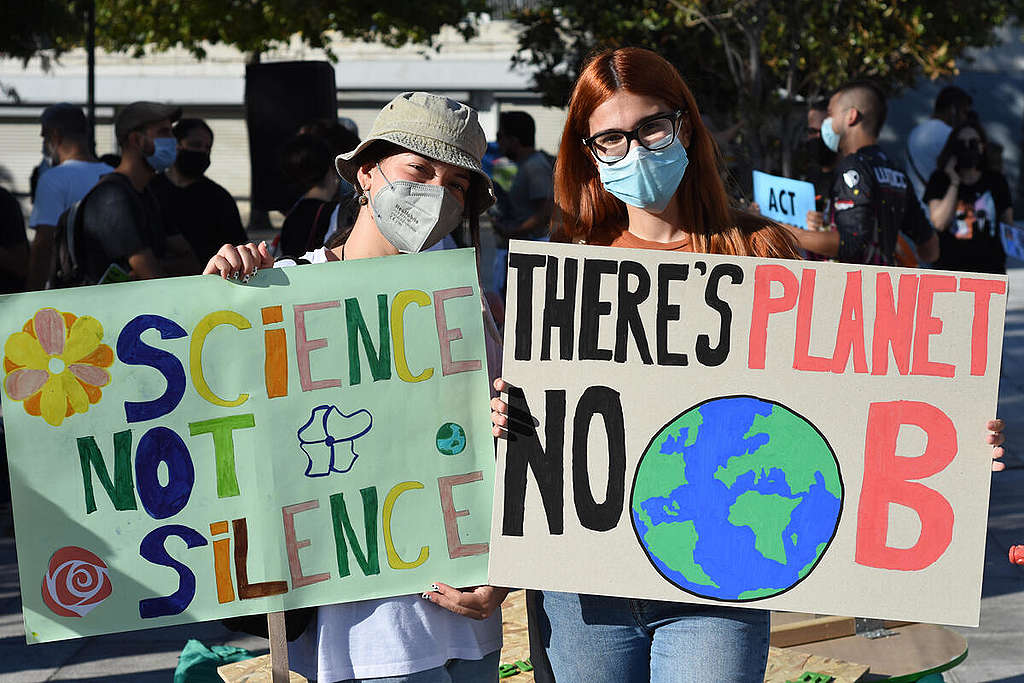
(308, 165)
(192, 204)
(70, 173)
(341, 138)
(818, 163)
(966, 201)
(526, 210)
(870, 202)
(122, 226)
(926, 140)
(14, 252)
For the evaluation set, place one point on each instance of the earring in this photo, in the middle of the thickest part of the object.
(363, 200)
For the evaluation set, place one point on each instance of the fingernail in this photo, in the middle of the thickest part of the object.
(434, 586)
(254, 269)
(245, 279)
(425, 596)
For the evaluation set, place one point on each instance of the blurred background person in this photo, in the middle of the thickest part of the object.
(192, 204)
(524, 212)
(69, 171)
(13, 245)
(966, 200)
(309, 166)
(342, 137)
(926, 140)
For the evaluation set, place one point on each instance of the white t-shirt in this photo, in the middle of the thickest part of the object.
(392, 636)
(62, 186)
(924, 144)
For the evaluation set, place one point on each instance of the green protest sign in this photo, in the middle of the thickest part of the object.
(195, 448)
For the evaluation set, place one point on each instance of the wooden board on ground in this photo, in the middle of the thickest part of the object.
(255, 670)
(915, 649)
(789, 665)
(790, 629)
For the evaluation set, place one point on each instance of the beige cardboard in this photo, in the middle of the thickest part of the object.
(611, 559)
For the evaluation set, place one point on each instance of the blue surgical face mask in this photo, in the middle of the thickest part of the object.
(829, 135)
(164, 153)
(645, 179)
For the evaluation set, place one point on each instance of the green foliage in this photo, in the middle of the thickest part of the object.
(758, 61)
(50, 27)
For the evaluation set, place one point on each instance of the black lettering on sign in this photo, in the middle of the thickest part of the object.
(706, 355)
(592, 308)
(546, 463)
(559, 313)
(628, 320)
(668, 272)
(524, 265)
(772, 204)
(593, 515)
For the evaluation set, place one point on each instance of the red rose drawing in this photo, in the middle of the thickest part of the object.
(75, 582)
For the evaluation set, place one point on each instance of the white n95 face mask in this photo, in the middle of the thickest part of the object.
(414, 216)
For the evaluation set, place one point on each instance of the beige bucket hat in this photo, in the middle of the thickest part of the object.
(436, 127)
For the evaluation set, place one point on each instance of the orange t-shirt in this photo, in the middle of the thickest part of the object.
(631, 241)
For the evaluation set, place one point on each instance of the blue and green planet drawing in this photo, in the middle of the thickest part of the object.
(736, 499)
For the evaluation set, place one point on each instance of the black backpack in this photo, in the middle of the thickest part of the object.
(67, 268)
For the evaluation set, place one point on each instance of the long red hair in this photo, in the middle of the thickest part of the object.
(587, 212)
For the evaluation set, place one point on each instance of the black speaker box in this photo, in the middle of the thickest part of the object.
(279, 98)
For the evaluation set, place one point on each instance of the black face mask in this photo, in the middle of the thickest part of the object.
(967, 156)
(192, 163)
(814, 151)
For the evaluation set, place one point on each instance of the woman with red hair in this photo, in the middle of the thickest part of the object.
(637, 168)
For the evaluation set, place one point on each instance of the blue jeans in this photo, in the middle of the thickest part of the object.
(454, 671)
(597, 638)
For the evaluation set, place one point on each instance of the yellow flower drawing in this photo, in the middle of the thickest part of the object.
(57, 365)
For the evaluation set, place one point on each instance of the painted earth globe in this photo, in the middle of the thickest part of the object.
(736, 499)
(451, 439)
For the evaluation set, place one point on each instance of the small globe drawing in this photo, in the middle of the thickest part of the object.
(451, 439)
(736, 499)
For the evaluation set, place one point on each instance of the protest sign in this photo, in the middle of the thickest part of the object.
(763, 433)
(782, 199)
(1013, 240)
(194, 448)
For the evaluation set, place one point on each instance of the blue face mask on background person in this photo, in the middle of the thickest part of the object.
(829, 135)
(164, 153)
(645, 179)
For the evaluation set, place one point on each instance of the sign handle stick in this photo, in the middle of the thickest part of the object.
(278, 647)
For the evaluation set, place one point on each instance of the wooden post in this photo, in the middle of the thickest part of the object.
(278, 647)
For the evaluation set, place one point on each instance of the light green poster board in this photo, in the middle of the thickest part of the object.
(193, 448)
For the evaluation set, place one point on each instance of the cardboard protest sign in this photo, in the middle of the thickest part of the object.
(194, 448)
(783, 199)
(773, 434)
(1013, 240)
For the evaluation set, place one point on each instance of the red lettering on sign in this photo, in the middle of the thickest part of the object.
(888, 479)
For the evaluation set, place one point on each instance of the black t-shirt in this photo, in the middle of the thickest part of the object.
(305, 226)
(203, 212)
(12, 234)
(118, 221)
(972, 242)
(871, 203)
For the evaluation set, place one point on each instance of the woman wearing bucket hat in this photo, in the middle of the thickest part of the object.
(418, 175)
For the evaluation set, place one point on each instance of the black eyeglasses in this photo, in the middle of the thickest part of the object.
(657, 132)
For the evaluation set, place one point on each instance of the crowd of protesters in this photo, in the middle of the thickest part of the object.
(637, 168)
